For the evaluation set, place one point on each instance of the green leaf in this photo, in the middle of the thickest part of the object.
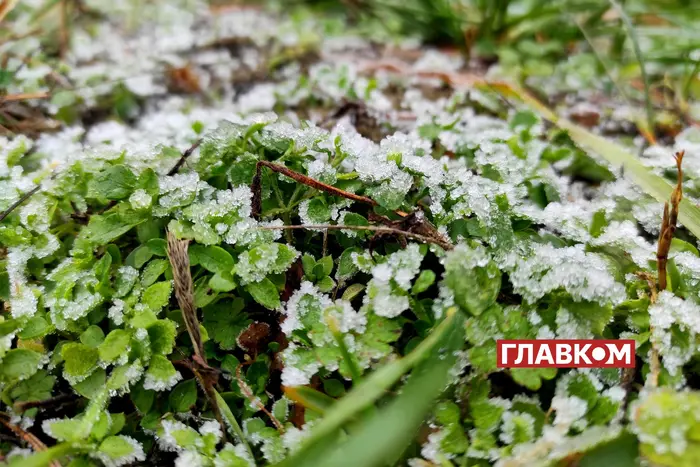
(265, 293)
(346, 267)
(162, 334)
(36, 388)
(158, 246)
(326, 267)
(353, 291)
(203, 294)
(308, 262)
(45, 457)
(232, 423)
(102, 229)
(92, 385)
(222, 282)
(80, 359)
(92, 336)
(475, 287)
(212, 258)
(64, 430)
(117, 182)
(115, 345)
(157, 295)
(183, 396)
(139, 256)
(532, 378)
(161, 373)
(142, 398)
(423, 282)
(153, 271)
(665, 418)
(19, 364)
(224, 322)
(326, 284)
(620, 452)
(118, 448)
(37, 326)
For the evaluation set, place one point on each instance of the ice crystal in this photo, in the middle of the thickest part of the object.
(584, 275)
(391, 277)
(254, 265)
(667, 313)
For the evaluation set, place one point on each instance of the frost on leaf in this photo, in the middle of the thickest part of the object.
(161, 374)
(116, 451)
(391, 280)
(667, 424)
(675, 325)
(586, 276)
(271, 258)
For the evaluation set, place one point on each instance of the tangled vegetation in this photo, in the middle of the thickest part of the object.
(291, 234)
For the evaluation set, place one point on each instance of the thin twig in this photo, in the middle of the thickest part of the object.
(414, 223)
(17, 203)
(301, 178)
(26, 436)
(23, 406)
(248, 393)
(371, 228)
(184, 157)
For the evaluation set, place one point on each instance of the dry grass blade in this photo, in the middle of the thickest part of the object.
(24, 97)
(184, 291)
(17, 203)
(6, 6)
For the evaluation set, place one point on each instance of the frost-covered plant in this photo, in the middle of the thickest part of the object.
(343, 280)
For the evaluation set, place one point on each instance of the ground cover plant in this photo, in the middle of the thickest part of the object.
(290, 233)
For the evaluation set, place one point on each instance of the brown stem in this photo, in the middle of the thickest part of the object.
(668, 228)
(184, 157)
(23, 406)
(26, 436)
(301, 178)
(248, 393)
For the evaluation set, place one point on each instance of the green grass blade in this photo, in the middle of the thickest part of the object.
(376, 385)
(310, 398)
(233, 423)
(615, 154)
(640, 58)
(381, 440)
